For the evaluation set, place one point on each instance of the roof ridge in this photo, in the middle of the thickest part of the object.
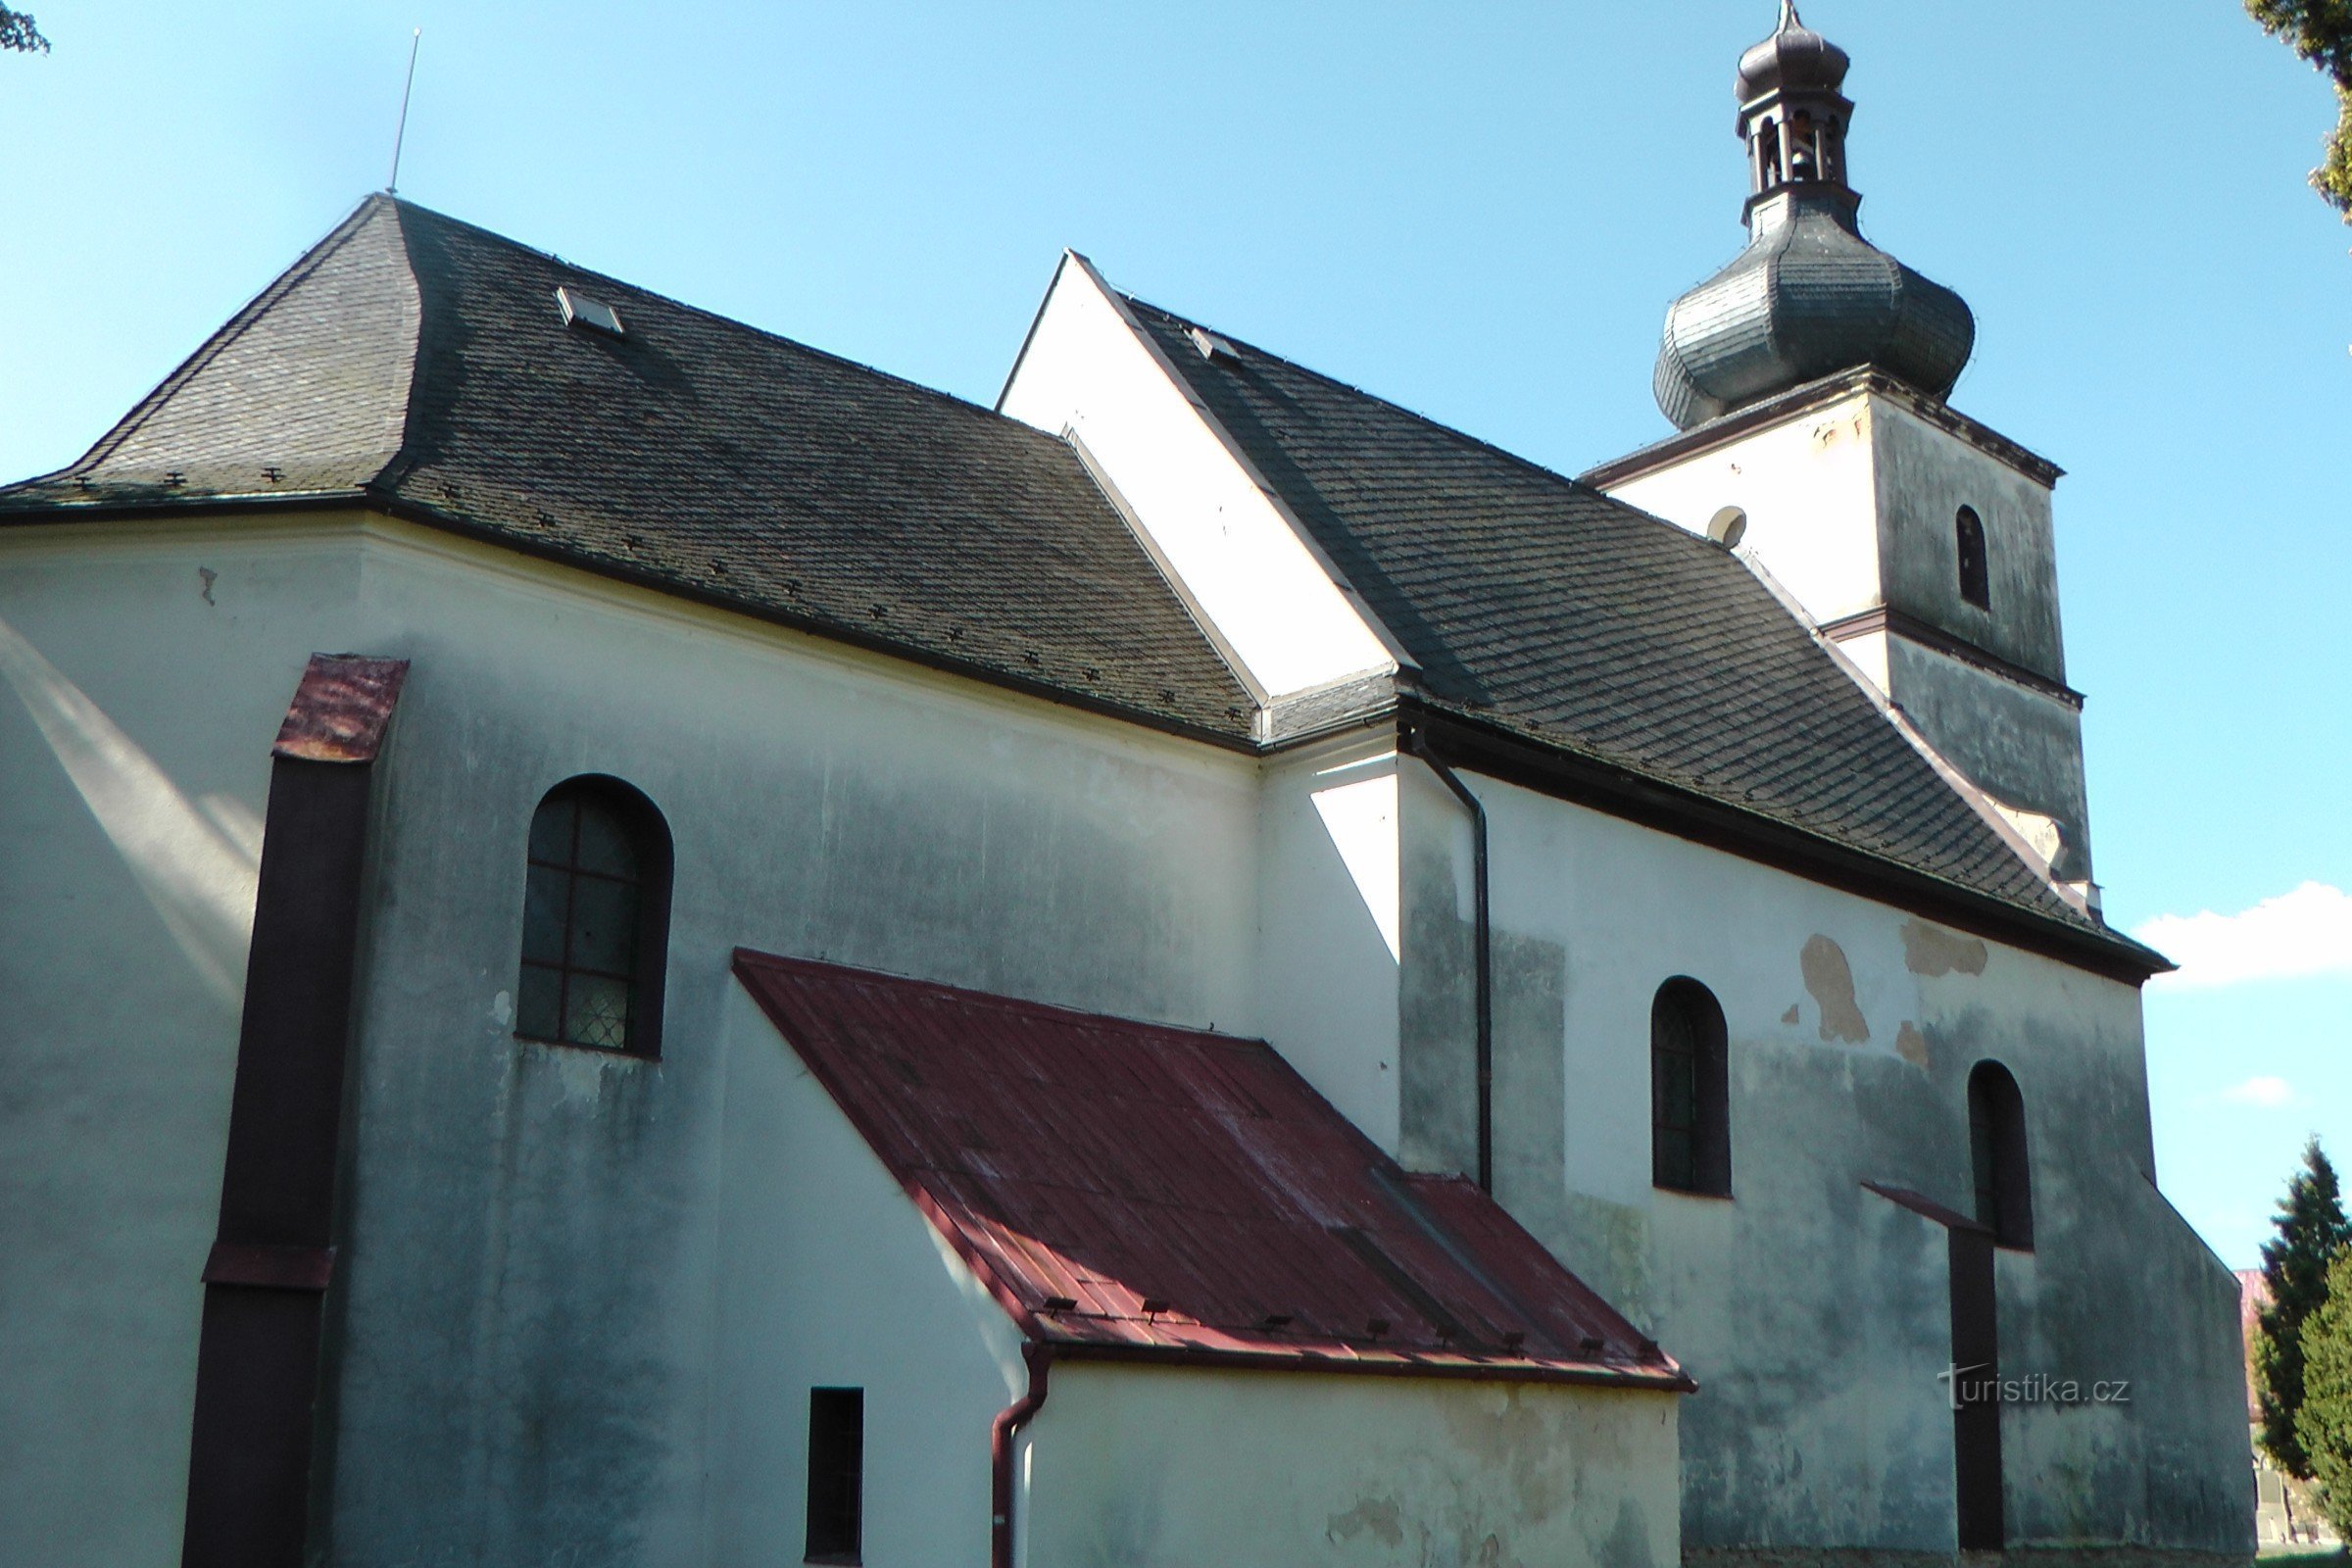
(590, 275)
(1451, 431)
(250, 315)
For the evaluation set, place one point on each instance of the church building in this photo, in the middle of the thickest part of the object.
(625, 944)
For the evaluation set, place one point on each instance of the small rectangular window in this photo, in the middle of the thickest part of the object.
(836, 1474)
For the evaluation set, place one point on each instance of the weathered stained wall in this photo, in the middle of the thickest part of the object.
(535, 1301)
(1152, 1468)
(821, 807)
(2024, 746)
(527, 1282)
(1814, 1314)
(1924, 475)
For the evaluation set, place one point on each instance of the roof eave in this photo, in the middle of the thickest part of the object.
(1728, 427)
(1564, 774)
(1670, 1379)
(371, 498)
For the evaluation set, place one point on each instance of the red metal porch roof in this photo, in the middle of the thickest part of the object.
(1131, 1190)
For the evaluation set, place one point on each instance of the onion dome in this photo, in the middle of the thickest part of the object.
(1809, 297)
(1793, 57)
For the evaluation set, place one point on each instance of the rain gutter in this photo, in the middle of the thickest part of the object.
(1416, 743)
(1000, 1433)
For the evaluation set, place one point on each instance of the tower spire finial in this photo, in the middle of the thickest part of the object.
(1809, 297)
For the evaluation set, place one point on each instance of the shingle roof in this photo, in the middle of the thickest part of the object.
(423, 363)
(1535, 603)
(1132, 1189)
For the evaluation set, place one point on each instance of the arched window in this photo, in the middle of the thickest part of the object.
(1690, 1090)
(1996, 1145)
(596, 919)
(1975, 572)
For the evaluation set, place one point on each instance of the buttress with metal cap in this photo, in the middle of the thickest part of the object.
(1809, 296)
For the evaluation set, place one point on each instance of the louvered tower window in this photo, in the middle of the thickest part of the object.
(596, 919)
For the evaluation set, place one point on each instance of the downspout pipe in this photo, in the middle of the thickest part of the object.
(1000, 1435)
(1416, 744)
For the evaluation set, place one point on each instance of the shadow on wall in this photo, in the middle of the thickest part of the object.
(198, 862)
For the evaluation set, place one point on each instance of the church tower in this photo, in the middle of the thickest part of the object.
(1807, 380)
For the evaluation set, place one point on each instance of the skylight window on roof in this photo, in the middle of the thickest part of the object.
(593, 315)
(1213, 347)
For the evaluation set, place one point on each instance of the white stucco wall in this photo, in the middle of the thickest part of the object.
(134, 737)
(1813, 1314)
(1329, 924)
(1809, 487)
(551, 1259)
(1145, 1468)
(525, 1316)
(829, 1277)
(1253, 573)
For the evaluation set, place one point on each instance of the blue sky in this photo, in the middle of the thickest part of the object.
(1478, 211)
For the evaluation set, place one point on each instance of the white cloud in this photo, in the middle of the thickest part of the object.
(2306, 932)
(2270, 1094)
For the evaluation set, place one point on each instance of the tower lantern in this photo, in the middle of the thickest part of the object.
(1792, 113)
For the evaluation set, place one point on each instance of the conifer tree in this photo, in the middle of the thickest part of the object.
(2312, 1232)
(2323, 1426)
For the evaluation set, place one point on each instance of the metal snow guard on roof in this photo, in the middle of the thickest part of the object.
(1136, 1192)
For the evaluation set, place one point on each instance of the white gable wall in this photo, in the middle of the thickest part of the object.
(1251, 571)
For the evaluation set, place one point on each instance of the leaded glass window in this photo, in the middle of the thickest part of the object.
(594, 909)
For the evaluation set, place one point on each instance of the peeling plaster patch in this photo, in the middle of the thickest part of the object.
(1377, 1516)
(1792, 1014)
(581, 1074)
(1831, 980)
(1911, 1045)
(1935, 951)
(502, 1009)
